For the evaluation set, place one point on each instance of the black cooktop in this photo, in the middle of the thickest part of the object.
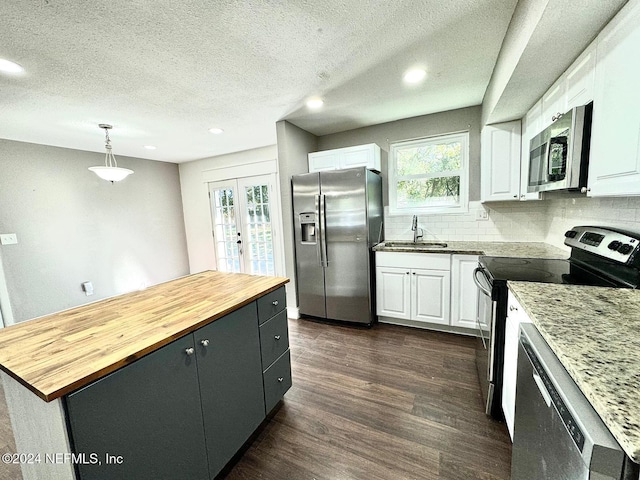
(501, 269)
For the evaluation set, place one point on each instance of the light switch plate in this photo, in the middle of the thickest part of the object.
(8, 238)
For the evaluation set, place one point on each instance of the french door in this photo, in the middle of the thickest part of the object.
(242, 214)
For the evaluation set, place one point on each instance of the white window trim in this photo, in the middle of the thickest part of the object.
(463, 207)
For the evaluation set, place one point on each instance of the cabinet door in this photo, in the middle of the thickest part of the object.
(464, 292)
(510, 372)
(554, 102)
(431, 296)
(230, 372)
(530, 128)
(393, 292)
(361, 156)
(515, 316)
(320, 161)
(500, 162)
(580, 79)
(614, 165)
(147, 412)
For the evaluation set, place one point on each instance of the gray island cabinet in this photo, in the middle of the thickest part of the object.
(182, 411)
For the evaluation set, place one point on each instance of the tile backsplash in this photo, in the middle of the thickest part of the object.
(531, 221)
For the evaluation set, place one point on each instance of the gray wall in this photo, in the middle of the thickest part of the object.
(424, 126)
(73, 227)
(293, 146)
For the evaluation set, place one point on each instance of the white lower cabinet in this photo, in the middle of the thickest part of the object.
(413, 286)
(515, 316)
(464, 293)
(427, 290)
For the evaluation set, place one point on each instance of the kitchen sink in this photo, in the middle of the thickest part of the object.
(416, 245)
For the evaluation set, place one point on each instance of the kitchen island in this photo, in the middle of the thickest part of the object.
(167, 382)
(594, 332)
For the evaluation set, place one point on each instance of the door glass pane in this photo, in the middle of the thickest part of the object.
(225, 231)
(258, 237)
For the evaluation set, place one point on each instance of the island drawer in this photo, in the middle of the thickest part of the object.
(277, 380)
(274, 338)
(271, 304)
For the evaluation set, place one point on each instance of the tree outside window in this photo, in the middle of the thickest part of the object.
(429, 175)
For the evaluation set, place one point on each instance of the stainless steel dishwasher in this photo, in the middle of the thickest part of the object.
(557, 433)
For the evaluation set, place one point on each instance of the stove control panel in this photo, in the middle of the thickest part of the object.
(612, 244)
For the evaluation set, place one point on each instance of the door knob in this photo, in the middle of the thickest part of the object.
(275, 303)
(205, 342)
(189, 351)
(277, 337)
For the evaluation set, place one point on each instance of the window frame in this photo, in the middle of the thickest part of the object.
(463, 203)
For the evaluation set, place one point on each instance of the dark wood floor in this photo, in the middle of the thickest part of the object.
(380, 404)
(386, 403)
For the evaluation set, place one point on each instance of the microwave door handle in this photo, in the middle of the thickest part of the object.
(547, 160)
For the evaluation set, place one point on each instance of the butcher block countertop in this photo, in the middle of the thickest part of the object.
(59, 353)
(594, 332)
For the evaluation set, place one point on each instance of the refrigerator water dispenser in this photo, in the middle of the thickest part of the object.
(308, 225)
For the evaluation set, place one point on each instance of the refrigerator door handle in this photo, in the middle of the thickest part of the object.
(318, 231)
(324, 261)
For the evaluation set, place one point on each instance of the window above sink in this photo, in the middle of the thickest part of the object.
(429, 175)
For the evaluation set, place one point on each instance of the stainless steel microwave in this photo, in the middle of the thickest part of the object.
(559, 155)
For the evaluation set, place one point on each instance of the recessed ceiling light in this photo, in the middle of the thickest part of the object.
(315, 103)
(216, 130)
(7, 66)
(150, 147)
(414, 75)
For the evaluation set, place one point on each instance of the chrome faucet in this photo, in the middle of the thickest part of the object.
(414, 228)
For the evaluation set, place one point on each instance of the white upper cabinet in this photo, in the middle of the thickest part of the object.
(530, 128)
(580, 79)
(614, 165)
(554, 102)
(358, 156)
(500, 161)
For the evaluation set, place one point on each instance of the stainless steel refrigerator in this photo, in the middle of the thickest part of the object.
(337, 219)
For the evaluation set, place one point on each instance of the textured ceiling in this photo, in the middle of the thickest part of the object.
(163, 72)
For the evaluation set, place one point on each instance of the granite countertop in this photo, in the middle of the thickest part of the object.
(493, 249)
(595, 332)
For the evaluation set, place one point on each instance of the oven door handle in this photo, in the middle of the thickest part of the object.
(477, 282)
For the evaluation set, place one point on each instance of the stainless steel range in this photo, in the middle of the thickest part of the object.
(600, 256)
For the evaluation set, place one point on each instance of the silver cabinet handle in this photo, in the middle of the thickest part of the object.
(275, 303)
(557, 116)
(512, 308)
(585, 190)
(277, 337)
(189, 351)
(205, 342)
(280, 379)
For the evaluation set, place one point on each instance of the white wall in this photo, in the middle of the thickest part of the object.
(194, 179)
(73, 227)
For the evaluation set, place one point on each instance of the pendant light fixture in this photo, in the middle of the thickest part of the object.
(110, 171)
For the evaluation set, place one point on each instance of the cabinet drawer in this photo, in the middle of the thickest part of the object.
(430, 261)
(271, 304)
(274, 338)
(277, 380)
